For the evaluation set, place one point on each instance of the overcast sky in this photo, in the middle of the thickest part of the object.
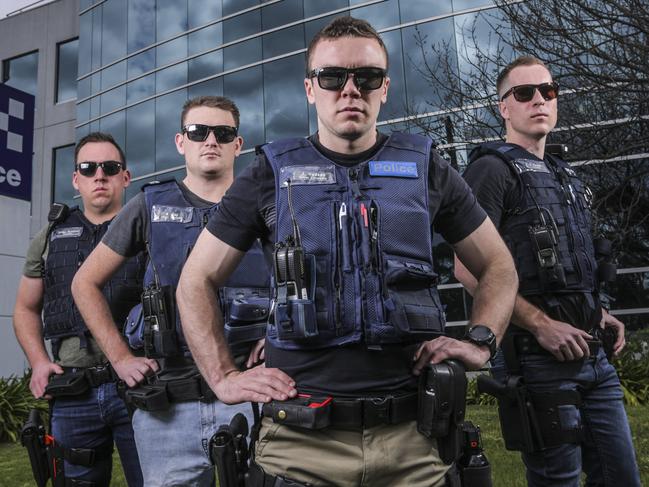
(7, 6)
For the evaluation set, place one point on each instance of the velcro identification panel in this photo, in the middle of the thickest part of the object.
(70, 232)
(307, 175)
(395, 169)
(530, 165)
(171, 214)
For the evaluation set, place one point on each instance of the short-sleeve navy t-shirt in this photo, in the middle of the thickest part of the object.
(247, 212)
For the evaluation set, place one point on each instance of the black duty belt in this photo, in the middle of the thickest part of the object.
(527, 344)
(77, 380)
(312, 412)
(166, 389)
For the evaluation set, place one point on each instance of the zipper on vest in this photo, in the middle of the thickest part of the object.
(338, 270)
(206, 219)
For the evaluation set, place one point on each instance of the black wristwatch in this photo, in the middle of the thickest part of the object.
(482, 336)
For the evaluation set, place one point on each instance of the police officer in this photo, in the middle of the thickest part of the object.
(87, 415)
(176, 412)
(346, 217)
(542, 211)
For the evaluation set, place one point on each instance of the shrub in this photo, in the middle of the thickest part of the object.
(16, 401)
(632, 366)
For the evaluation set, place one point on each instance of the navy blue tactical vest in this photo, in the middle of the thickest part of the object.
(551, 190)
(174, 228)
(367, 238)
(70, 242)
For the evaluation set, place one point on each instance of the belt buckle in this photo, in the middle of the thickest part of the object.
(98, 375)
(376, 411)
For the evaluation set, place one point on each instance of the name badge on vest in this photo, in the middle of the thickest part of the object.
(395, 169)
(71, 232)
(171, 214)
(307, 175)
(530, 165)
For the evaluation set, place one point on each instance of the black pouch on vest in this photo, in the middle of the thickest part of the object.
(442, 401)
(159, 315)
(304, 411)
(67, 384)
(295, 314)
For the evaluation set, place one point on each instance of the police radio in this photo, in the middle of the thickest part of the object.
(159, 316)
(294, 311)
(545, 237)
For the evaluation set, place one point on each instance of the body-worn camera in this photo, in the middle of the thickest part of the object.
(545, 239)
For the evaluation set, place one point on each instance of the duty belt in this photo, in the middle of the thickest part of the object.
(77, 380)
(159, 394)
(314, 412)
(527, 344)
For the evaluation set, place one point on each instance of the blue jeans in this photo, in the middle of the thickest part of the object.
(173, 444)
(90, 421)
(606, 454)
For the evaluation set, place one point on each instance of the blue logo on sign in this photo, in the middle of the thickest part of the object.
(394, 169)
(16, 137)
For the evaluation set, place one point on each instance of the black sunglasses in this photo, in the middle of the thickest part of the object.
(89, 168)
(333, 78)
(524, 93)
(224, 134)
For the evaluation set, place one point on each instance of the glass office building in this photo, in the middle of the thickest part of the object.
(139, 60)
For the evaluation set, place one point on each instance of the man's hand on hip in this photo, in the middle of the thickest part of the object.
(258, 384)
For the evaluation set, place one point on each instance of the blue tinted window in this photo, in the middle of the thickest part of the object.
(167, 118)
(315, 7)
(242, 53)
(96, 37)
(171, 77)
(242, 26)
(232, 6)
(141, 88)
(213, 87)
(113, 99)
(141, 63)
(245, 89)
(281, 13)
(141, 24)
(140, 138)
(85, 43)
(171, 51)
(420, 61)
(205, 65)
(422, 9)
(115, 125)
(381, 15)
(22, 72)
(62, 169)
(204, 39)
(83, 111)
(285, 105)
(113, 75)
(200, 12)
(171, 18)
(396, 103)
(114, 36)
(243, 161)
(283, 41)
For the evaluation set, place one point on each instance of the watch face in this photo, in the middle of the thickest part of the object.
(481, 333)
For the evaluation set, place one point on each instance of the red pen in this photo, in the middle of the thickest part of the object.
(364, 215)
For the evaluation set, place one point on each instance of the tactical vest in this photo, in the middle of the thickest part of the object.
(366, 234)
(554, 197)
(70, 242)
(174, 228)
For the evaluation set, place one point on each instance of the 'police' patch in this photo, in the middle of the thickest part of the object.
(530, 165)
(171, 214)
(394, 169)
(307, 175)
(70, 232)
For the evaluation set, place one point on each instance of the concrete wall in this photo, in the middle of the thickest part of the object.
(38, 29)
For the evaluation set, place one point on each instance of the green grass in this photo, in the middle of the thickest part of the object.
(507, 468)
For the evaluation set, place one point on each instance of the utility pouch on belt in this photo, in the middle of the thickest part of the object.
(67, 384)
(442, 401)
(532, 422)
(304, 411)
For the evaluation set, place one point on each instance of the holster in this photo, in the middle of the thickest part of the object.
(531, 422)
(229, 452)
(32, 437)
(442, 403)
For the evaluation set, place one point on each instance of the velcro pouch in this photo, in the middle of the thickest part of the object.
(67, 384)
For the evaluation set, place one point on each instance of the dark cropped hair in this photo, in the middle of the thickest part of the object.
(344, 27)
(519, 61)
(213, 102)
(99, 137)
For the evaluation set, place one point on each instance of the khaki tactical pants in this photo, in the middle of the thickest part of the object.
(385, 455)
